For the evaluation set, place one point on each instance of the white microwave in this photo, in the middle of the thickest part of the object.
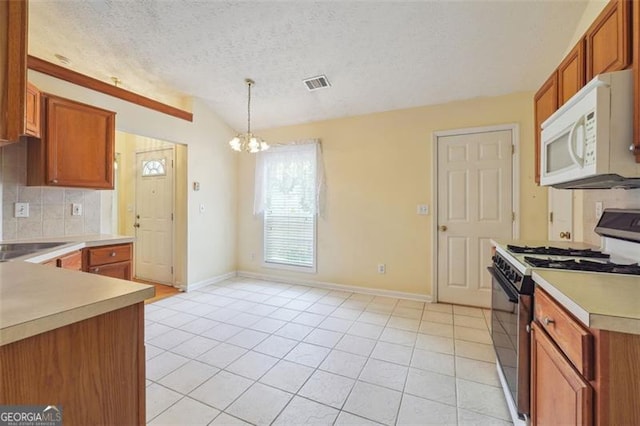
(585, 144)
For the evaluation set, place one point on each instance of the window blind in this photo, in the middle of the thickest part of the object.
(290, 212)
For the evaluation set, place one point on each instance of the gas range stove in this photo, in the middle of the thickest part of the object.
(618, 254)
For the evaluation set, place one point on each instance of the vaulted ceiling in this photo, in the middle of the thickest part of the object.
(377, 55)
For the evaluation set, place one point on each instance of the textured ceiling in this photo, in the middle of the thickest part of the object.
(378, 56)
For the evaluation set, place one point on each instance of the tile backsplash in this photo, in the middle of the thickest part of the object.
(610, 198)
(49, 208)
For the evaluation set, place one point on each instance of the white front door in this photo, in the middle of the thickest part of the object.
(560, 214)
(474, 206)
(154, 216)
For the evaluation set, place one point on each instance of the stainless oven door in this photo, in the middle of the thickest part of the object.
(510, 316)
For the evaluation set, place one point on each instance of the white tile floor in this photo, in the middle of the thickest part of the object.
(256, 352)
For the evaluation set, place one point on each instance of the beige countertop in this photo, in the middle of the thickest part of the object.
(71, 243)
(604, 301)
(37, 298)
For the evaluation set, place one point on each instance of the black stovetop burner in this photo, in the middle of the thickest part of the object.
(584, 265)
(556, 251)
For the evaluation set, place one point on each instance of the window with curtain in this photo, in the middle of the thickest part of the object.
(289, 180)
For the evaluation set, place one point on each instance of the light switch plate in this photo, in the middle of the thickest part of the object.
(21, 210)
(76, 209)
(423, 209)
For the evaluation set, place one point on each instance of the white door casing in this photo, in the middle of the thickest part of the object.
(475, 203)
(154, 216)
(560, 215)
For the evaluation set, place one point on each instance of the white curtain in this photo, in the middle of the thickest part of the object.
(295, 168)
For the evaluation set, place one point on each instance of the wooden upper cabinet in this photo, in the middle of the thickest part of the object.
(545, 103)
(609, 39)
(571, 73)
(559, 394)
(636, 73)
(32, 111)
(14, 18)
(76, 148)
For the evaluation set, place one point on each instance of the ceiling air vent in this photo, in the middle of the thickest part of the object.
(316, 83)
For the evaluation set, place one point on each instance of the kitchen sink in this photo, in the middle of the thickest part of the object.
(10, 251)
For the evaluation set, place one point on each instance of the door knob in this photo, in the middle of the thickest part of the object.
(566, 235)
(443, 228)
(136, 225)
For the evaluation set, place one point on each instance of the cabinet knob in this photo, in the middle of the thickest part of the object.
(547, 321)
(54, 180)
(566, 235)
(96, 270)
(443, 228)
(113, 254)
(632, 147)
(528, 328)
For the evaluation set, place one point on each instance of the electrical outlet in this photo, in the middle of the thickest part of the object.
(423, 209)
(21, 210)
(382, 268)
(76, 209)
(598, 209)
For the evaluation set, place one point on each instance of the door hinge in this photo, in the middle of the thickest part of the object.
(171, 163)
(550, 217)
(513, 149)
(172, 270)
(513, 216)
(171, 216)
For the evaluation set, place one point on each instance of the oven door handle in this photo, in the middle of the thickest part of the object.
(512, 295)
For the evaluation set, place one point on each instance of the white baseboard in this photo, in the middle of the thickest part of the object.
(209, 281)
(334, 286)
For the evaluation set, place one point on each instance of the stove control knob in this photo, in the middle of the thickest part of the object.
(517, 278)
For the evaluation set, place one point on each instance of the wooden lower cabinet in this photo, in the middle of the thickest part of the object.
(560, 395)
(113, 261)
(578, 379)
(120, 270)
(94, 369)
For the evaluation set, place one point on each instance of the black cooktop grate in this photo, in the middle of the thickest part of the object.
(584, 265)
(556, 251)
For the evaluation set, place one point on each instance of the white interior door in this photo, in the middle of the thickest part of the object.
(154, 216)
(560, 216)
(474, 205)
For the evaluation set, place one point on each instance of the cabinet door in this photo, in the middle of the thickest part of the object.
(71, 261)
(571, 74)
(636, 73)
(559, 394)
(14, 17)
(545, 103)
(120, 270)
(80, 141)
(32, 113)
(609, 39)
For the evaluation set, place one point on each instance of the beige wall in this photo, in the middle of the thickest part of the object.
(210, 234)
(378, 168)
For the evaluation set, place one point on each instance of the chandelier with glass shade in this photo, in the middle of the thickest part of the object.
(248, 141)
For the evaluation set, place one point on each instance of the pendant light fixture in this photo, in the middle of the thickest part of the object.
(248, 141)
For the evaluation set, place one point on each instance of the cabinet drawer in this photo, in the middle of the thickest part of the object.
(572, 338)
(109, 254)
(120, 270)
